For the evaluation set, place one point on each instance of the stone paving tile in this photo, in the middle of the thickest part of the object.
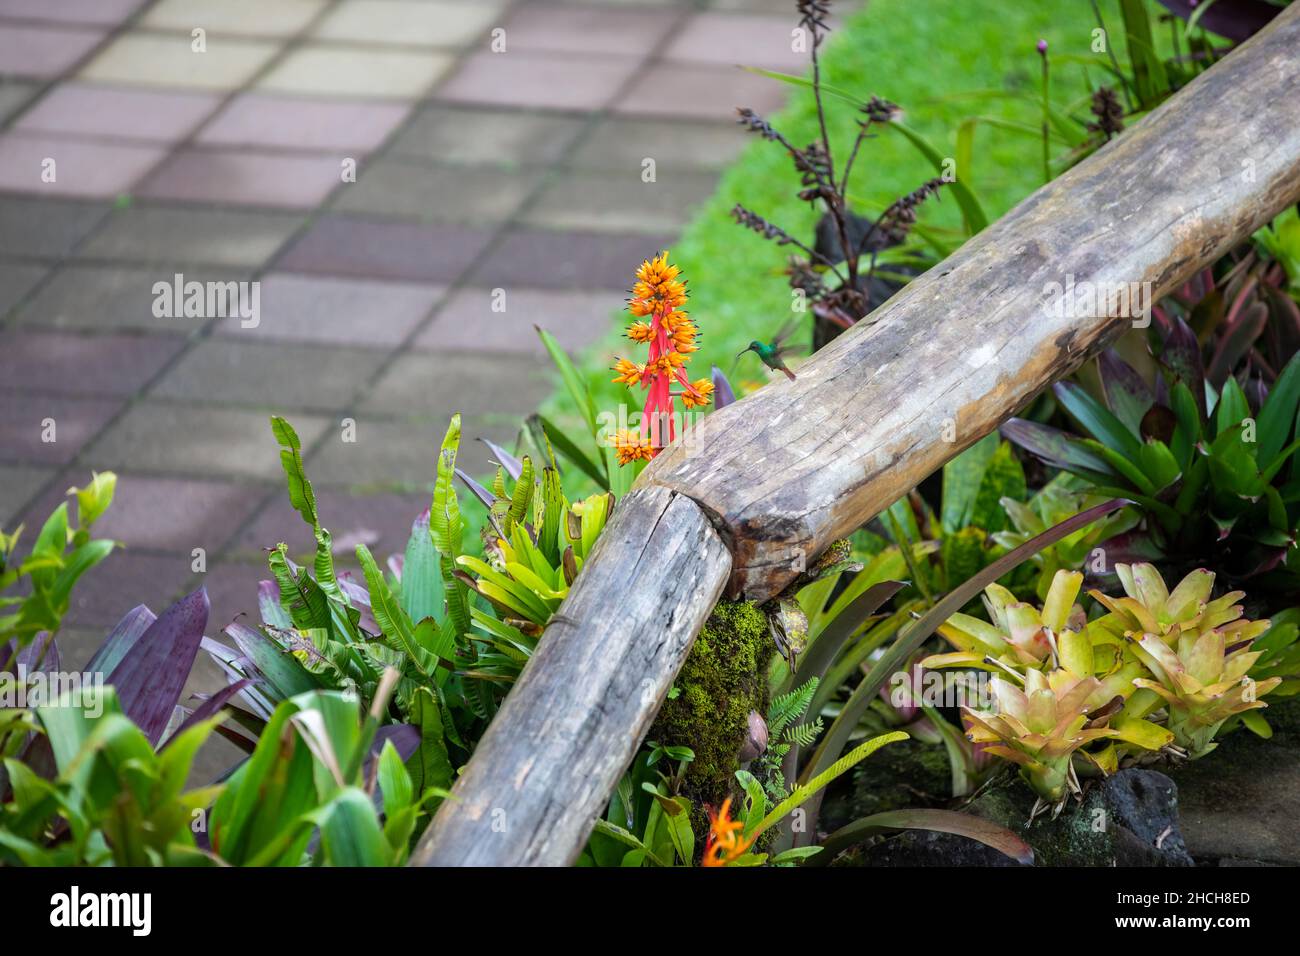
(94, 12)
(620, 143)
(40, 51)
(232, 591)
(382, 522)
(547, 28)
(83, 168)
(332, 311)
(703, 92)
(351, 246)
(177, 439)
(14, 95)
(166, 60)
(438, 24)
(256, 18)
(86, 110)
(125, 579)
(383, 73)
(241, 177)
(620, 202)
(82, 364)
(730, 39)
(401, 456)
(161, 514)
(273, 375)
(24, 425)
(486, 137)
(535, 80)
(43, 227)
(468, 321)
(402, 189)
(424, 384)
(16, 280)
(540, 258)
(111, 298)
(295, 122)
(176, 234)
(18, 483)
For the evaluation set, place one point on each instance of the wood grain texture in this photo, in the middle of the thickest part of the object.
(544, 770)
(798, 464)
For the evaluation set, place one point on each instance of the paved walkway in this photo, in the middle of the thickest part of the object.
(477, 171)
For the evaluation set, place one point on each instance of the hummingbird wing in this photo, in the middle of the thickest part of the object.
(786, 330)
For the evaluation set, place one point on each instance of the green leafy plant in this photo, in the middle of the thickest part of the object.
(58, 558)
(1213, 477)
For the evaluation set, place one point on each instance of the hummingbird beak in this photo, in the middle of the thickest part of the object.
(750, 349)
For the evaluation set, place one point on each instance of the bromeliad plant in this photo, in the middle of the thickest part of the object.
(1161, 672)
(1214, 476)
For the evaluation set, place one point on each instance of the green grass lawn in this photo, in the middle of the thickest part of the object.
(931, 57)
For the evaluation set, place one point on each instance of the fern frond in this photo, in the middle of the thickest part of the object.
(790, 707)
(803, 735)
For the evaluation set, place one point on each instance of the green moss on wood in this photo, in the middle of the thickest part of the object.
(723, 679)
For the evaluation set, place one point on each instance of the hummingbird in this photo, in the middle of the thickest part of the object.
(773, 353)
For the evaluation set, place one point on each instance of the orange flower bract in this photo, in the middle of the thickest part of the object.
(726, 841)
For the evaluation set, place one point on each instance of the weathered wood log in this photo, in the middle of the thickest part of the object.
(798, 464)
(784, 472)
(569, 728)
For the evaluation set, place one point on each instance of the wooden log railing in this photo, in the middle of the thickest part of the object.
(765, 483)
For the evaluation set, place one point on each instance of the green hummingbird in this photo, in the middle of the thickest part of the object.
(773, 353)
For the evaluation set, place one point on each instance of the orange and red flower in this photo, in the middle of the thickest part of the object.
(726, 841)
(670, 334)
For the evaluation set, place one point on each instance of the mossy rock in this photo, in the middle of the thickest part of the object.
(723, 679)
(910, 773)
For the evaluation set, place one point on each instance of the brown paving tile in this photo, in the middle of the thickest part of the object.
(402, 189)
(116, 585)
(334, 311)
(82, 364)
(241, 177)
(16, 280)
(382, 522)
(541, 81)
(167, 60)
(351, 246)
(624, 144)
(401, 456)
(426, 384)
(429, 23)
(87, 110)
(730, 39)
(375, 72)
(620, 202)
(41, 51)
(162, 514)
(488, 137)
(570, 260)
(468, 322)
(555, 28)
(14, 95)
(82, 168)
(112, 298)
(295, 122)
(178, 439)
(18, 483)
(168, 234)
(92, 12)
(25, 422)
(704, 92)
(257, 18)
(232, 592)
(44, 227)
(273, 375)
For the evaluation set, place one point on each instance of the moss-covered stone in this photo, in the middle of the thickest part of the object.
(723, 679)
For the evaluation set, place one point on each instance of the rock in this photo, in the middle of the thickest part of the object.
(1128, 819)
(1240, 802)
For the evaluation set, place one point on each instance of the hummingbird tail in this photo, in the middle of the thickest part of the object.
(788, 374)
